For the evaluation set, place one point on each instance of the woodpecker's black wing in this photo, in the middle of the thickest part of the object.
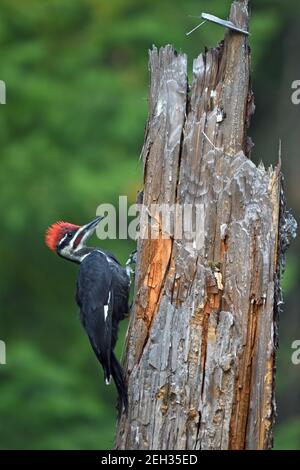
(121, 287)
(95, 298)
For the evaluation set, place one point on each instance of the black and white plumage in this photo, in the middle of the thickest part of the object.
(102, 295)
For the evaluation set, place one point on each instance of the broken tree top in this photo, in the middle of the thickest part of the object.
(214, 19)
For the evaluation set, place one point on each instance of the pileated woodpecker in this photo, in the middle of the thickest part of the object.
(102, 294)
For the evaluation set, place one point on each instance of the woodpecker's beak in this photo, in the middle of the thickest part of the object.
(83, 233)
(88, 229)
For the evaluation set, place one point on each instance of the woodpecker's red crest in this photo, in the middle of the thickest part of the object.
(56, 232)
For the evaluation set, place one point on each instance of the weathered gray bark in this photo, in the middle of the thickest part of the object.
(200, 348)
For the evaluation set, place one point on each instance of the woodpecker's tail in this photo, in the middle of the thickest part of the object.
(118, 376)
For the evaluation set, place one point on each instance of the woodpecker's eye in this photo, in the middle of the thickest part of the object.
(69, 234)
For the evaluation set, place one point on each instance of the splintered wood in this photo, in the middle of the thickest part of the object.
(199, 354)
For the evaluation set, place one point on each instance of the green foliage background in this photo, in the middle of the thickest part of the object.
(70, 135)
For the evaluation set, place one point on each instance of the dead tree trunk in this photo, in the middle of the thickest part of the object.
(201, 342)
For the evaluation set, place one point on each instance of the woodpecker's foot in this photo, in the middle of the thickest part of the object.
(131, 261)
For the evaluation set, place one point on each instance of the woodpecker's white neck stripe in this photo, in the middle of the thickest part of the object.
(63, 239)
(80, 245)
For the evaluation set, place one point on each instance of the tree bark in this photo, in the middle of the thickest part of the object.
(200, 349)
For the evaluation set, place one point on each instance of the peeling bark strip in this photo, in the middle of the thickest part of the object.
(200, 347)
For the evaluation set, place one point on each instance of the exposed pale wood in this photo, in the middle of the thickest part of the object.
(200, 348)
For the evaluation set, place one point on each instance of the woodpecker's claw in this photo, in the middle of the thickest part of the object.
(128, 266)
(132, 258)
